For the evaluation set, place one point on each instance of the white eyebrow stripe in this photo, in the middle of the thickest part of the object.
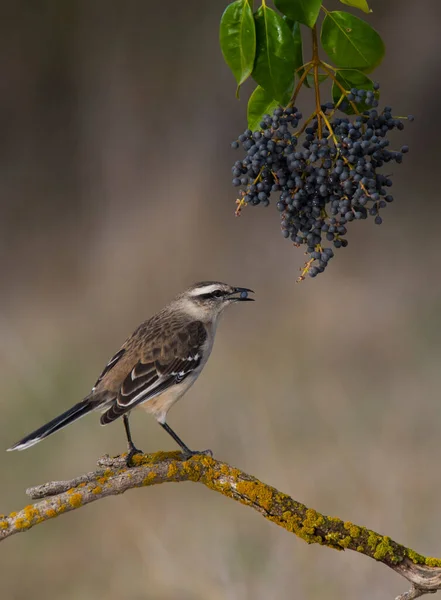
(208, 289)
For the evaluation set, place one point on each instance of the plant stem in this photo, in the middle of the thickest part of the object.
(329, 126)
(315, 66)
(305, 125)
(339, 85)
(307, 67)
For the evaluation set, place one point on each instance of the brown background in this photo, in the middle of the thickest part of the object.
(115, 121)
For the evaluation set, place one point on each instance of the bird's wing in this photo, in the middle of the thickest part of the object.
(166, 361)
(112, 362)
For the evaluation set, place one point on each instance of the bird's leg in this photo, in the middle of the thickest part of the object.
(132, 449)
(185, 450)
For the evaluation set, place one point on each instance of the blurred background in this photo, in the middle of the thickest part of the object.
(115, 194)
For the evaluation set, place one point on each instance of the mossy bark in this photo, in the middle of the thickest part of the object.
(113, 477)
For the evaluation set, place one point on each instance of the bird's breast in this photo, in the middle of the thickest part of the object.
(160, 405)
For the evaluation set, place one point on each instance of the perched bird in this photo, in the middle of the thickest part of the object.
(156, 365)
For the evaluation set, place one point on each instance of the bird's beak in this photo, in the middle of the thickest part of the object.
(242, 294)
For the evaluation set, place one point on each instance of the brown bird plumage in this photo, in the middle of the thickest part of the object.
(156, 365)
(158, 351)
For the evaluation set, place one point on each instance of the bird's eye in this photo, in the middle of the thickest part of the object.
(211, 295)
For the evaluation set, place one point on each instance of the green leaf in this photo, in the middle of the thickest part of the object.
(260, 103)
(297, 38)
(298, 54)
(304, 11)
(298, 46)
(348, 79)
(361, 4)
(275, 54)
(351, 42)
(238, 39)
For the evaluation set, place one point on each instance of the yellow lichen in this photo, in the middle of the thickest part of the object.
(97, 490)
(193, 470)
(51, 513)
(149, 478)
(256, 492)
(172, 470)
(234, 474)
(373, 540)
(21, 523)
(138, 459)
(29, 516)
(360, 549)
(4, 525)
(354, 532)
(384, 549)
(144, 459)
(312, 520)
(75, 500)
(105, 476)
(306, 528)
(333, 537)
(433, 562)
(31, 513)
(206, 460)
(225, 469)
(419, 559)
(291, 521)
(345, 542)
(335, 520)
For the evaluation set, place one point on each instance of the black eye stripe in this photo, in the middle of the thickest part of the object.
(211, 295)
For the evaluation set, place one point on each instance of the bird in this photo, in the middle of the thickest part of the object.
(155, 366)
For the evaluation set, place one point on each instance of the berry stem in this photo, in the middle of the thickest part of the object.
(363, 187)
(304, 66)
(305, 125)
(329, 126)
(336, 106)
(315, 65)
(339, 85)
(240, 204)
(304, 270)
(333, 137)
(328, 66)
(307, 67)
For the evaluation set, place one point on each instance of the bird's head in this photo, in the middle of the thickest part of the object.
(206, 300)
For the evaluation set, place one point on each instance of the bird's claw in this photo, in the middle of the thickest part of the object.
(132, 452)
(186, 454)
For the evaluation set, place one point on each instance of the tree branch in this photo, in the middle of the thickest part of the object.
(113, 477)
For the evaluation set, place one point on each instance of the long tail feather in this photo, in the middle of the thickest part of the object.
(71, 415)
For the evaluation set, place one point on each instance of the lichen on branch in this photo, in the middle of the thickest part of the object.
(114, 477)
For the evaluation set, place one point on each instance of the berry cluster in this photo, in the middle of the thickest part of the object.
(360, 98)
(325, 178)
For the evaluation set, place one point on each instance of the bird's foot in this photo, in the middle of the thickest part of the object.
(186, 454)
(132, 452)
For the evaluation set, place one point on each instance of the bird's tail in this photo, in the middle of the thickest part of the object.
(71, 415)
